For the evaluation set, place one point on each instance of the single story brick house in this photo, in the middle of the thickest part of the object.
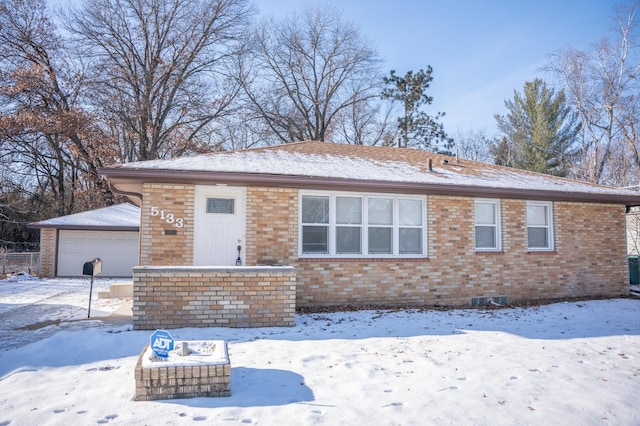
(109, 233)
(315, 224)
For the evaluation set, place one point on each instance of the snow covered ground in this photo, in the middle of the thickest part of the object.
(561, 364)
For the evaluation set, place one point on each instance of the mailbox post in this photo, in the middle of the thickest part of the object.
(93, 267)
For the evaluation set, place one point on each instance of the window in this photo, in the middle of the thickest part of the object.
(410, 226)
(348, 225)
(364, 225)
(315, 224)
(221, 205)
(487, 224)
(380, 213)
(539, 226)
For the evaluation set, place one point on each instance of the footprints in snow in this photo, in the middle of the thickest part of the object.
(394, 404)
(195, 418)
(108, 418)
(105, 420)
(103, 368)
(64, 410)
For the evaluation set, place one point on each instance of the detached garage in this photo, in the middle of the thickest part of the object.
(110, 233)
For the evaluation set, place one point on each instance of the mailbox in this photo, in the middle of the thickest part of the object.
(93, 267)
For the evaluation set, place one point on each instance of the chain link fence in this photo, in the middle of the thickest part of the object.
(12, 263)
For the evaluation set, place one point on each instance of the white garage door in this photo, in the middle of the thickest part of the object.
(117, 249)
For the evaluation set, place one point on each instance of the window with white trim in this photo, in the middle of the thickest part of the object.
(315, 224)
(487, 225)
(380, 225)
(348, 225)
(411, 226)
(539, 226)
(362, 225)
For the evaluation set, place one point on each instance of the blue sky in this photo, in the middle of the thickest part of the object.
(480, 51)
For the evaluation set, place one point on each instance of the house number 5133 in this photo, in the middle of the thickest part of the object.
(178, 222)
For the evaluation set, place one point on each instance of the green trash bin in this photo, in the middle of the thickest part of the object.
(634, 273)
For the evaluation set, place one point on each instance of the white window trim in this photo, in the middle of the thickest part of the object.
(549, 227)
(498, 225)
(364, 234)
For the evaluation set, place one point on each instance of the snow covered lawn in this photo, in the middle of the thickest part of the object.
(566, 363)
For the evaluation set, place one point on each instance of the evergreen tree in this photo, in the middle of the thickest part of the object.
(540, 131)
(416, 127)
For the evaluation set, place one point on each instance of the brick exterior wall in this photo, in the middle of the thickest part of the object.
(589, 257)
(272, 231)
(174, 297)
(48, 252)
(589, 260)
(162, 241)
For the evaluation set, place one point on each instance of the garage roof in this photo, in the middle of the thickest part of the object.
(121, 217)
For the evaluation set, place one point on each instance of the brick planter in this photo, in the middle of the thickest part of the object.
(192, 376)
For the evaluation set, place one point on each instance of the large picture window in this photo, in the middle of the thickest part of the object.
(539, 226)
(366, 225)
(487, 225)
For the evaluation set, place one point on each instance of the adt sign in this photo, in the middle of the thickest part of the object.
(161, 343)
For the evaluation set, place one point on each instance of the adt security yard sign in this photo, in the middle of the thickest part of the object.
(161, 343)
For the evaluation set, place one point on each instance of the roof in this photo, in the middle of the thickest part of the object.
(121, 217)
(330, 165)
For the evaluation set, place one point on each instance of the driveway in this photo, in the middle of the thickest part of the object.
(32, 309)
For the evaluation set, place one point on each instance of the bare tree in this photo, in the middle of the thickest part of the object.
(474, 145)
(239, 131)
(42, 124)
(602, 86)
(305, 74)
(366, 123)
(159, 68)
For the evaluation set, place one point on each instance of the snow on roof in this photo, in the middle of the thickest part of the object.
(120, 216)
(385, 164)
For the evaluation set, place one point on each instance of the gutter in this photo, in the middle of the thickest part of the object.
(83, 227)
(313, 182)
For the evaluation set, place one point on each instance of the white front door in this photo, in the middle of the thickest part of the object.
(219, 226)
